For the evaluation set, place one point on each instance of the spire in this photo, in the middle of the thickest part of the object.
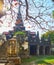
(37, 37)
(38, 34)
(19, 16)
(19, 22)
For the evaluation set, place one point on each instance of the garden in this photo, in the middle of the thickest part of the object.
(39, 60)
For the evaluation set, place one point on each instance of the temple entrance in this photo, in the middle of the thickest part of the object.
(33, 49)
(47, 50)
(41, 50)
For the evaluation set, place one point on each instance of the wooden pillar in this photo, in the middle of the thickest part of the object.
(38, 50)
(43, 50)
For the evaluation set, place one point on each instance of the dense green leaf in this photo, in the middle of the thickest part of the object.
(19, 33)
(51, 34)
(53, 13)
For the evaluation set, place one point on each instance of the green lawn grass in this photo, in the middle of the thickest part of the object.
(32, 58)
(46, 60)
(40, 59)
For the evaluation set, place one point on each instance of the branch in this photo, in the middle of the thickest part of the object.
(26, 8)
(39, 15)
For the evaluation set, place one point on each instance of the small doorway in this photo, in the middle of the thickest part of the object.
(47, 49)
(33, 49)
(41, 50)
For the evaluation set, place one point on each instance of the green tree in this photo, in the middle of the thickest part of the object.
(51, 34)
(53, 13)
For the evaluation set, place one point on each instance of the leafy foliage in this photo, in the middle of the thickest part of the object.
(19, 33)
(53, 14)
(42, 60)
(51, 34)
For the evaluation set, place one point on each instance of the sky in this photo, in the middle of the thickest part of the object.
(8, 21)
(34, 12)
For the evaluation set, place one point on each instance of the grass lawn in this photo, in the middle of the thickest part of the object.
(46, 60)
(32, 58)
(40, 59)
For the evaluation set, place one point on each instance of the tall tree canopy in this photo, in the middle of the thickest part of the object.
(53, 13)
(51, 34)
